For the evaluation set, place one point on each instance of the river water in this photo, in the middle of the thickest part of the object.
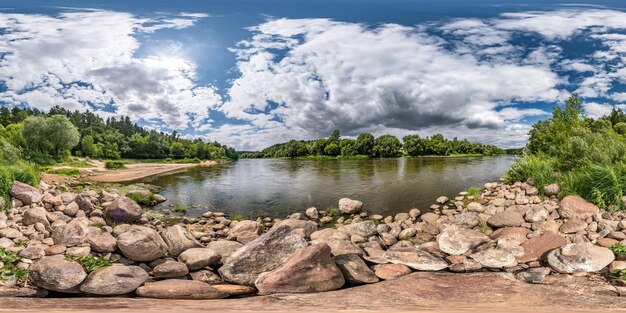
(278, 187)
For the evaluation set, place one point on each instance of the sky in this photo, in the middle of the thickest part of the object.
(252, 73)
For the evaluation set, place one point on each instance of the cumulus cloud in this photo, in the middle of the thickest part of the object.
(86, 60)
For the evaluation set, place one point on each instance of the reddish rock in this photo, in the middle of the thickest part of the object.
(180, 289)
(577, 207)
(536, 248)
(391, 271)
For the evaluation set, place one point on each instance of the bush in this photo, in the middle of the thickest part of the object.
(603, 185)
(541, 171)
(114, 164)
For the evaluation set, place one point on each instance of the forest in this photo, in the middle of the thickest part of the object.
(366, 145)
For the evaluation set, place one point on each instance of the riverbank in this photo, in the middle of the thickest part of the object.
(104, 244)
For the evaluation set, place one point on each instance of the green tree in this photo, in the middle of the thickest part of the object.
(332, 149)
(386, 146)
(414, 145)
(334, 136)
(87, 146)
(364, 143)
(620, 128)
(52, 136)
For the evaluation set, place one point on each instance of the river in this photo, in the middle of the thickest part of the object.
(278, 187)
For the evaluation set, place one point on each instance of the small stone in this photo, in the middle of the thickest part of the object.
(355, 270)
(349, 206)
(391, 271)
(197, 258)
(573, 226)
(170, 269)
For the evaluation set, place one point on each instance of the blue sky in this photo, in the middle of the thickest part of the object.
(253, 73)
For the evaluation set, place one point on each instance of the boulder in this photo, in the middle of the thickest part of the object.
(467, 219)
(354, 270)
(457, 240)
(223, 248)
(245, 229)
(73, 233)
(141, 244)
(36, 215)
(308, 226)
(170, 269)
(264, 254)
(536, 248)
(573, 226)
(114, 280)
(349, 206)
(340, 247)
(312, 213)
(33, 252)
(363, 229)
(178, 239)
(310, 269)
(510, 217)
(180, 289)
(57, 274)
(577, 207)
(123, 210)
(103, 242)
(536, 214)
(84, 200)
(494, 258)
(414, 258)
(551, 190)
(198, 258)
(580, 257)
(391, 271)
(329, 233)
(25, 193)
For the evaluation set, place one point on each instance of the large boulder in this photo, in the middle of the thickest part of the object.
(263, 254)
(363, 229)
(536, 248)
(509, 217)
(141, 244)
(123, 210)
(114, 280)
(349, 206)
(73, 233)
(57, 274)
(310, 269)
(457, 240)
(198, 258)
(35, 215)
(354, 270)
(223, 248)
(580, 257)
(25, 193)
(180, 289)
(178, 239)
(577, 207)
(414, 258)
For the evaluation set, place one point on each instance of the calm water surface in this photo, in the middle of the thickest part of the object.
(279, 187)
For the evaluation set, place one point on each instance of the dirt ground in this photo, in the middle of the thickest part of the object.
(417, 292)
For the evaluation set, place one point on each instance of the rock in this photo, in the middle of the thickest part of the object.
(170, 269)
(264, 254)
(178, 239)
(364, 229)
(312, 213)
(391, 271)
(606, 242)
(180, 289)
(197, 258)
(245, 229)
(123, 210)
(55, 249)
(10, 233)
(354, 270)
(103, 242)
(494, 258)
(414, 258)
(442, 200)
(475, 207)
(349, 206)
(340, 247)
(33, 252)
(577, 207)
(57, 274)
(206, 277)
(141, 244)
(308, 226)
(78, 251)
(467, 219)
(329, 233)
(534, 275)
(223, 248)
(551, 190)
(36, 215)
(114, 280)
(310, 269)
(510, 217)
(580, 257)
(234, 290)
(536, 214)
(573, 226)
(536, 248)
(457, 240)
(73, 233)
(25, 193)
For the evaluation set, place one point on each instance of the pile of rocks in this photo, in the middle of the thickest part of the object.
(505, 228)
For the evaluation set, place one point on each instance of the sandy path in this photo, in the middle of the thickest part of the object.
(133, 172)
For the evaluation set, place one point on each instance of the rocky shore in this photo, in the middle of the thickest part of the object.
(105, 244)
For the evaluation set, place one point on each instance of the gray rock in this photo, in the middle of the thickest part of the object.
(580, 257)
(170, 269)
(510, 217)
(73, 233)
(264, 254)
(57, 274)
(536, 214)
(178, 239)
(339, 247)
(551, 190)
(85, 201)
(123, 210)
(141, 244)
(114, 280)
(354, 270)
(36, 215)
(494, 258)
(310, 269)
(364, 229)
(180, 289)
(197, 258)
(223, 248)
(577, 207)
(329, 233)
(414, 258)
(25, 193)
(308, 226)
(206, 276)
(457, 240)
(349, 206)
(103, 242)
(467, 219)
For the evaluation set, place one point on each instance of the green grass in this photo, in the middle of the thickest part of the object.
(540, 171)
(619, 249)
(9, 267)
(236, 218)
(473, 191)
(483, 226)
(603, 185)
(178, 208)
(110, 164)
(618, 275)
(64, 171)
(89, 263)
(76, 162)
(25, 172)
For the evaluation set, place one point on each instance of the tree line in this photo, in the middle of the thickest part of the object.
(53, 136)
(366, 145)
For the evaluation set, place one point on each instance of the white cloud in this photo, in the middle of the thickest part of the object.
(86, 59)
(595, 110)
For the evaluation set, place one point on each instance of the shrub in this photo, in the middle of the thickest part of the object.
(25, 172)
(110, 164)
(541, 171)
(603, 185)
(619, 249)
(473, 191)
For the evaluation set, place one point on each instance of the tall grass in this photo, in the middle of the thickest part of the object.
(25, 172)
(541, 171)
(603, 185)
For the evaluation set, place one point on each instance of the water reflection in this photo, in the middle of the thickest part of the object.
(273, 186)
